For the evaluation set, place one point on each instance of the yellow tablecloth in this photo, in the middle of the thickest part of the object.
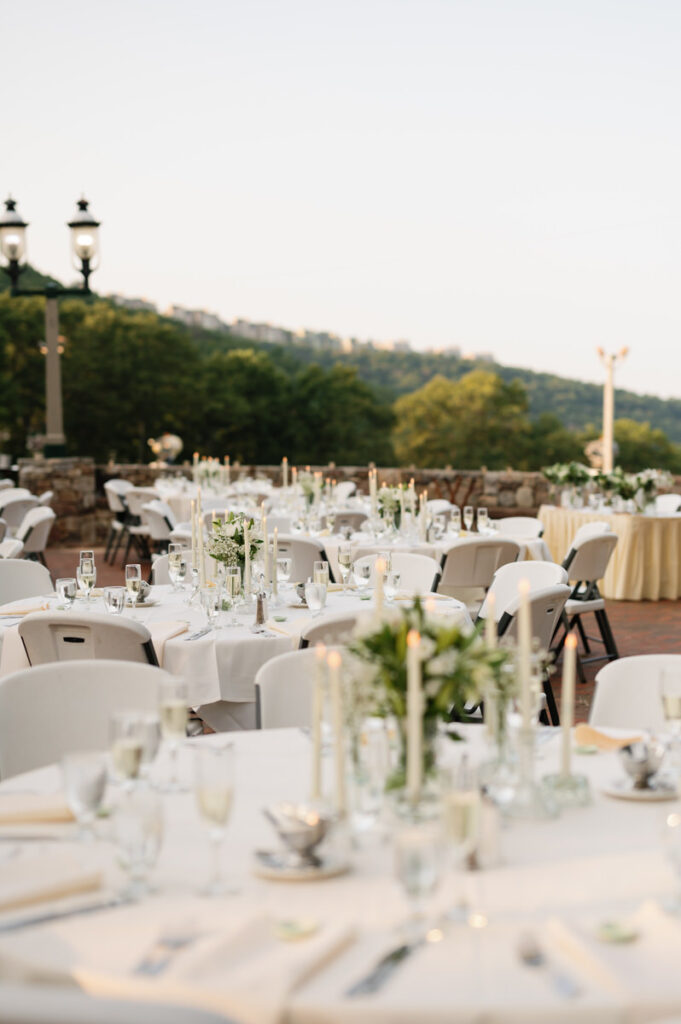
(645, 565)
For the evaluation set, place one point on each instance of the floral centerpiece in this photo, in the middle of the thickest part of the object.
(650, 482)
(457, 668)
(307, 485)
(389, 507)
(226, 541)
(572, 477)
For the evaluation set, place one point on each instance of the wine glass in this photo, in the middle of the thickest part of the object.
(361, 571)
(127, 739)
(214, 792)
(670, 694)
(391, 585)
(320, 572)
(233, 590)
(67, 588)
(114, 599)
(455, 521)
(482, 520)
(173, 707)
(210, 600)
(151, 740)
(345, 564)
(175, 560)
(86, 574)
(418, 868)
(461, 819)
(138, 833)
(468, 516)
(133, 584)
(284, 569)
(315, 597)
(84, 777)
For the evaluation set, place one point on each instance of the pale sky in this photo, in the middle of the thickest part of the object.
(495, 174)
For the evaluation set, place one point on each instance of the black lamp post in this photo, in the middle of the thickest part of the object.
(85, 252)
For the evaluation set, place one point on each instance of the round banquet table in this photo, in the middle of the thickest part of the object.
(645, 565)
(558, 878)
(220, 667)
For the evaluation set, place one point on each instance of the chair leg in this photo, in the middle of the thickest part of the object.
(606, 633)
(119, 540)
(582, 635)
(551, 706)
(109, 543)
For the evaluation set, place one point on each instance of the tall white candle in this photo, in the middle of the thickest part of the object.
(524, 652)
(567, 701)
(414, 717)
(317, 713)
(247, 561)
(228, 470)
(194, 537)
(199, 538)
(402, 509)
(491, 621)
(265, 549)
(284, 472)
(275, 556)
(334, 663)
(379, 571)
(294, 477)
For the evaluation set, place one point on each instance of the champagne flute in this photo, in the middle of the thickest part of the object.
(455, 521)
(210, 599)
(320, 572)
(345, 565)
(233, 590)
(468, 516)
(133, 584)
(86, 574)
(173, 707)
(127, 737)
(418, 867)
(482, 520)
(67, 588)
(175, 559)
(461, 819)
(361, 571)
(284, 569)
(138, 832)
(114, 599)
(214, 792)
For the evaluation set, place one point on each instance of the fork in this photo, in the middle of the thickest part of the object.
(164, 949)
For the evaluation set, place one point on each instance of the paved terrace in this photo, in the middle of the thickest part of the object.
(644, 627)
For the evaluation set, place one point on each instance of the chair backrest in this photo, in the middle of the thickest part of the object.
(3, 528)
(281, 523)
(48, 1004)
(627, 694)
(51, 709)
(115, 491)
(66, 636)
(507, 577)
(355, 520)
(665, 503)
(589, 530)
(520, 526)
(546, 606)
(474, 562)
(159, 568)
(159, 518)
(304, 552)
(14, 493)
(344, 489)
(283, 690)
(46, 498)
(588, 558)
(20, 579)
(136, 497)
(329, 630)
(439, 507)
(419, 574)
(11, 548)
(6, 484)
(35, 528)
(14, 511)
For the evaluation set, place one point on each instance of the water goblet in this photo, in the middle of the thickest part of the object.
(418, 868)
(320, 572)
(114, 600)
(670, 695)
(233, 590)
(461, 805)
(138, 833)
(86, 574)
(284, 569)
(175, 559)
(127, 738)
(210, 600)
(361, 571)
(315, 597)
(133, 584)
(468, 516)
(455, 521)
(391, 585)
(345, 565)
(173, 707)
(482, 520)
(84, 777)
(214, 792)
(67, 588)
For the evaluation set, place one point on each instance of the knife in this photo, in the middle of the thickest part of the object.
(58, 915)
(199, 633)
(377, 977)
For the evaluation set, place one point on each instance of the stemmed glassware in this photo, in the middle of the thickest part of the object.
(670, 694)
(210, 602)
(362, 574)
(284, 569)
(345, 565)
(138, 832)
(391, 585)
(214, 791)
(127, 735)
(174, 714)
(84, 785)
(133, 584)
(177, 565)
(320, 572)
(315, 597)
(482, 520)
(455, 521)
(114, 600)
(67, 588)
(418, 868)
(461, 818)
(233, 590)
(86, 573)
(468, 517)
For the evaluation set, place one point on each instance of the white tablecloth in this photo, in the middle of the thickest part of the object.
(560, 878)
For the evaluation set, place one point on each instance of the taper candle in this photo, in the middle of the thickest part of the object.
(524, 652)
(414, 717)
(567, 700)
(317, 713)
(334, 663)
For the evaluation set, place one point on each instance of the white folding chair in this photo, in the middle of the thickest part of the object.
(346, 520)
(507, 577)
(439, 507)
(48, 1004)
(666, 504)
(158, 516)
(13, 511)
(10, 494)
(473, 563)
(159, 568)
(65, 636)
(283, 690)
(344, 490)
(34, 532)
(3, 528)
(627, 694)
(137, 531)
(19, 579)
(329, 630)
(46, 498)
(115, 491)
(589, 530)
(51, 709)
(520, 526)
(304, 552)
(586, 563)
(6, 484)
(419, 574)
(11, 548)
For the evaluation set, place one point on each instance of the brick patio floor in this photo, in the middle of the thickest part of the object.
(645, 627)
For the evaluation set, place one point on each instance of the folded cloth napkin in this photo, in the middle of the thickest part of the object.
(161, 632)
(18, 612)
(44, 877)
(336, 588)
(33, 808)
(586, 736)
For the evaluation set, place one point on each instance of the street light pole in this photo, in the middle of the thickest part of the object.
(85, 251)
(609, 359)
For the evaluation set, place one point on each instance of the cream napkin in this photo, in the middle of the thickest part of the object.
(336, 588)
(19, 612)
(40, 878)
(586, 736)
(33, 808)
(161, 632)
